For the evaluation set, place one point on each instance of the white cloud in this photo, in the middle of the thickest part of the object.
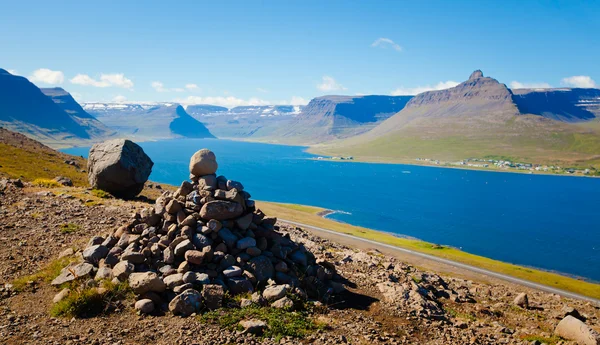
(582, 81)
(228, 101)
(160, 87)
(519, 85)
(12, 71)
(106, 80)
(120, 99)
(191, 86)
(329, 84)
(383, 42)
(47, 76)
(420, 89)
(296, 100)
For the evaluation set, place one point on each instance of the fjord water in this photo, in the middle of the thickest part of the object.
(548, 222)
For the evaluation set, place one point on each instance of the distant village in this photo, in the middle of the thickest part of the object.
(508, 165)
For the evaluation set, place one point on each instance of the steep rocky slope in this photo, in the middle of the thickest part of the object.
(26, 109)
(335, 117)
(148, 121)
(477, 118)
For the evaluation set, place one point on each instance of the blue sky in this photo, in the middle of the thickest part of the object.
(249, 52)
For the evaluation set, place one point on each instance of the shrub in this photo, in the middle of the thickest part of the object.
(46, 183)
(69, 228)
(89, 302)
(99, 193)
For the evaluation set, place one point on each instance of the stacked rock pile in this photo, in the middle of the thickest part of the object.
(197, 243)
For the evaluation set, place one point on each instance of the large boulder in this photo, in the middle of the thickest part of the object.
(203, 162)
(573, 329)
(119, 167)
(221, 210)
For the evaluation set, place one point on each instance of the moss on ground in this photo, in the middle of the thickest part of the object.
(69, 228)
(46, 274)
(281, 323)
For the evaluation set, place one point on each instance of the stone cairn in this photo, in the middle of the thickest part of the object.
(198, 243)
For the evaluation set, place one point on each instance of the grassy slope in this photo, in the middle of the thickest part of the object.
(308, 215)
(26, 159)
(525, 138)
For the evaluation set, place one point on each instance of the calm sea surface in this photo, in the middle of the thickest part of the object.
(549, 222)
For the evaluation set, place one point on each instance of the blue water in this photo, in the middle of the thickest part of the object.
(548, 222)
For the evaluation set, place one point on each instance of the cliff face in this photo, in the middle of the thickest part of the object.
(567, 105)
(26, 109)
(149, 121)
(335, 117)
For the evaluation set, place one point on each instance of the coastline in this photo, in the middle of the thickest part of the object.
(316, 217)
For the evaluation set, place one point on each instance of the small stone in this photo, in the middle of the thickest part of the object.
(72, 272)
(173, 280)
(183, 247)
(194, 257)
(203, 162)
(232, 271)
(196, 278)
(144, 306)
(186, 303)
(522, 300)
(103, 273)
(95, 253)
(213, 296)
(62, 294)
(122, 270)
(274, 292)
(221, 210)
(283, 303)
(246, 242)
(256, 327)
(146, 281)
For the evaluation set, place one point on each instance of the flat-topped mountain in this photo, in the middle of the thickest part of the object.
(481, 117)
(149, 121)
(567, 105)
(335, 117)
(56, 121)
(203, 109)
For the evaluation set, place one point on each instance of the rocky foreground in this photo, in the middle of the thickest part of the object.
(385, 301)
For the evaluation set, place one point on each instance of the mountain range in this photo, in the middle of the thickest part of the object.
(481, 117)
(148, 121)
(51, 115)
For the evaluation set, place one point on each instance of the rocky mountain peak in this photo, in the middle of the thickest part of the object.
(476, 75)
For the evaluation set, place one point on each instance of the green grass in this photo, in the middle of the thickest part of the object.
(46, 274)
(281, 323)
(29, 164)
(69, 228)
(101, 194)
(285, 211)
(46, 183)
(88, 302)
(459, 315)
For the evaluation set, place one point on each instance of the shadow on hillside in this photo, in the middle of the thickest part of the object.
(352, 300)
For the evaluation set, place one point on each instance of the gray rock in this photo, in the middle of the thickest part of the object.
(256, 327)
(119, 167)
(135, 258)
(144, 306)
(173, 280)
(203, 162)
(522, 300)
(232, 271)
(65, 181)
(104, 273)
(200, 240)
(72, 272)
(228, 237)
(299, 257)
(183, 247)
(196, 278)
(253, 251)
(146, 281)
(194, 257)
(221, 210)
(235, 184)
(283, 303)
(573, 329)
(274, 292)
(246, 242)
(213, 296)
(122, 270)
(244, 221)
(262, 268)
(186, 303)
(239, 285)
(95, 253)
